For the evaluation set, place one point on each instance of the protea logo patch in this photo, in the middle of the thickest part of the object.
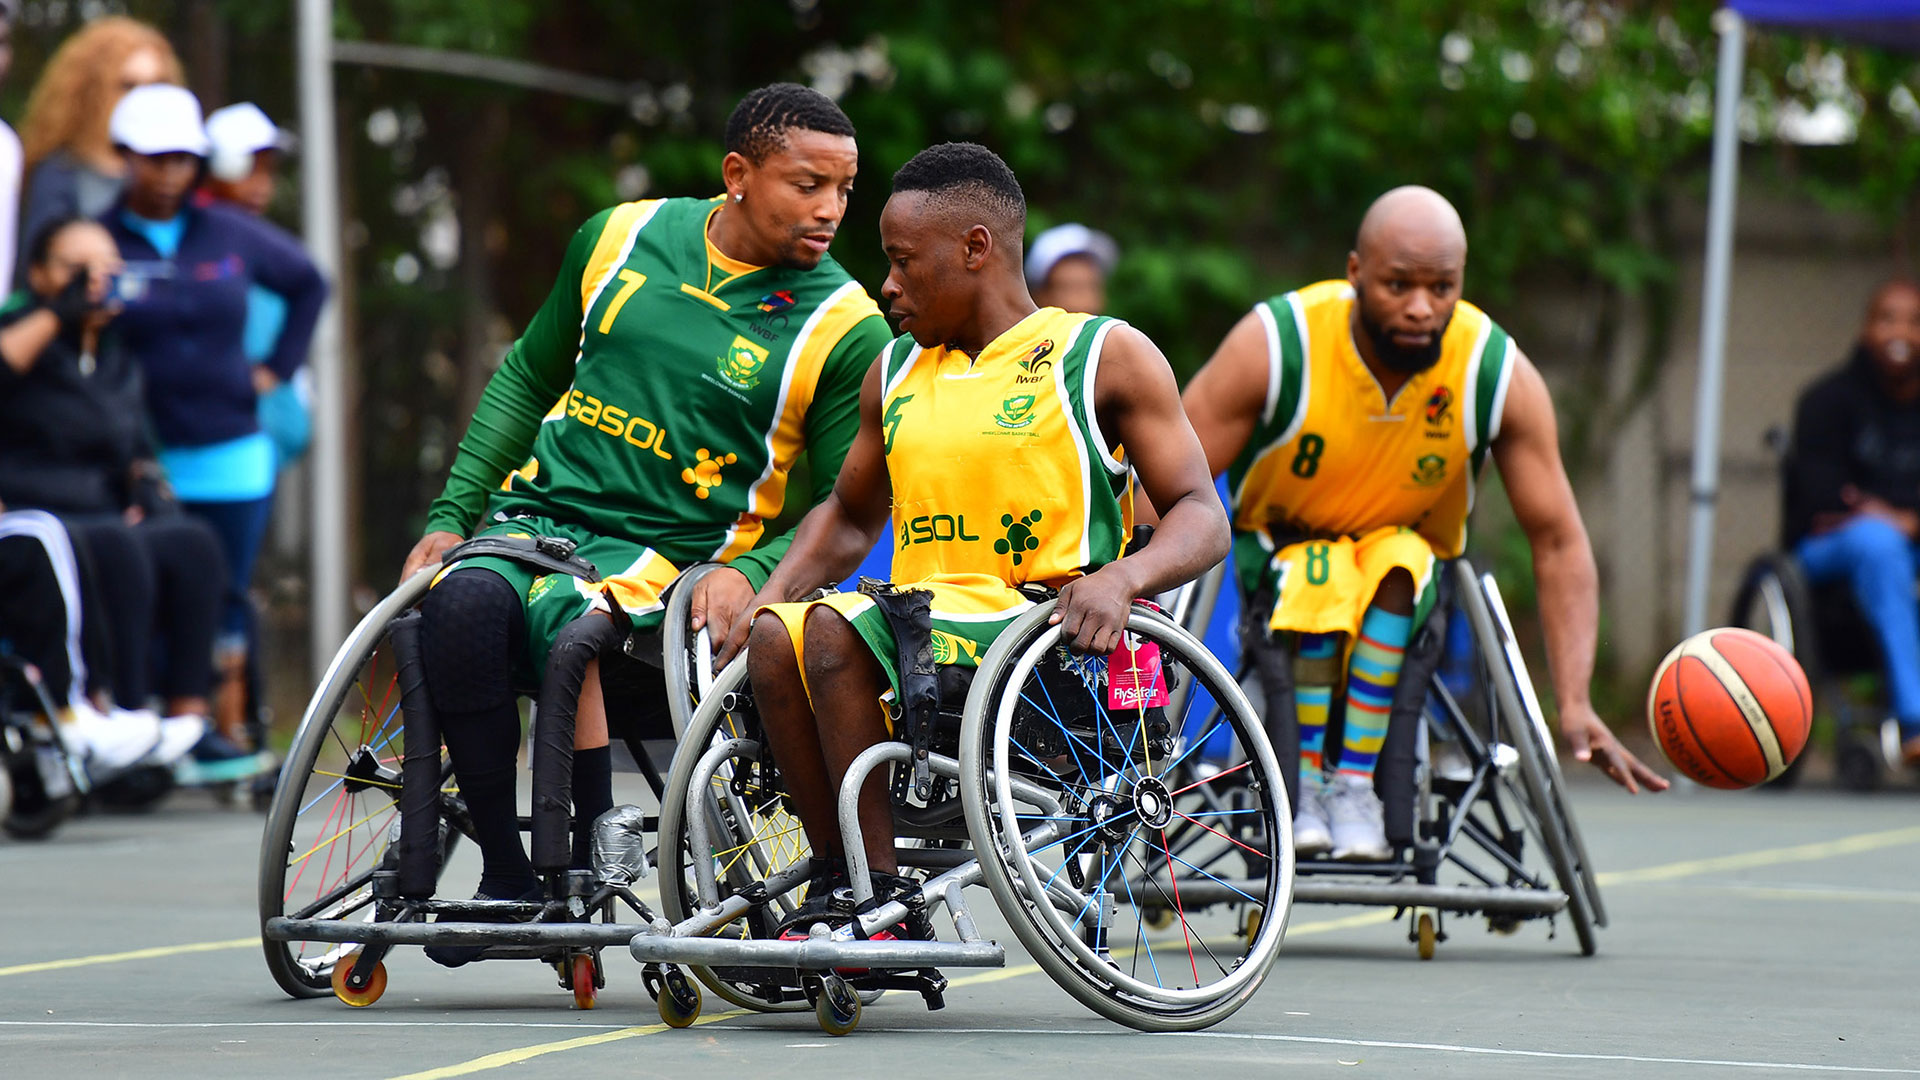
(1429, 470)
(1016, 411)
(742, 363)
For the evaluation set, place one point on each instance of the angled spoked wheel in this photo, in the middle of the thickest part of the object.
(1096, 818)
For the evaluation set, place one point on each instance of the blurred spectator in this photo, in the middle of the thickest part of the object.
(10, 157)
(45, 620)
(72, 442)
(1855, 488)
(242, 170)
(71, 167)
(1067, 268)
(185, 286)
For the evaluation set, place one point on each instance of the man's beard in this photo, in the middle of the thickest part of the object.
(1398, 357)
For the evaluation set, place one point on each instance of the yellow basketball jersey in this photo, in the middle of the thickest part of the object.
(1332, 456)
(998, 463)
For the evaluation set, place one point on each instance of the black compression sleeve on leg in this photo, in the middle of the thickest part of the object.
(475, 631)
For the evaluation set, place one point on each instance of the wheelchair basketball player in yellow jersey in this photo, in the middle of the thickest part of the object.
(1353, 418)
(993, 432)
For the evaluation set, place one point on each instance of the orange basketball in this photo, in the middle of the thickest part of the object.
(1730, 708)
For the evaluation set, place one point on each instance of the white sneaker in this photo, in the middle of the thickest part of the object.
(110, 743)
(178, 734)
(1310, 833)
(1358, 821)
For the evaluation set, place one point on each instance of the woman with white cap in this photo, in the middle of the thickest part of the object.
(188, 273)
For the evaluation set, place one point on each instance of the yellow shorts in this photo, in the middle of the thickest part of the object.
(969, 612)
(1326, 585)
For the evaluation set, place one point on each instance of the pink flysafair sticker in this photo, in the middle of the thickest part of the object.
(1134, 677)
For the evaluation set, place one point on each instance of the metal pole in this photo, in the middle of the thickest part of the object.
(320, 221)
(1713, 313)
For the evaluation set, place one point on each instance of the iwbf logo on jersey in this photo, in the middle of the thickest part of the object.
(740, 367)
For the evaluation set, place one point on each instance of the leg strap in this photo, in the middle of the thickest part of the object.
(420, 770)
(577, 644)
(909, 614)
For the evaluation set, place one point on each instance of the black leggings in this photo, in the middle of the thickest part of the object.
(159, 582)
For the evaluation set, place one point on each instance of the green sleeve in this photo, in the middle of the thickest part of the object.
(537, 371)
(832, 422)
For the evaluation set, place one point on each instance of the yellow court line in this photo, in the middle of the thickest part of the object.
(1297, 930)
(1746, 860)
(137, 954)
(527, 1053)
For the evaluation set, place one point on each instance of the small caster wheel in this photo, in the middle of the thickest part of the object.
(679, 999)
(1157, 918)
(838, 1007)
(584, 989)
(1425, 936)
(1255, 914)
(358, 996)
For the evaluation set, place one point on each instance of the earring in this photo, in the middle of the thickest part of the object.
(740, 196)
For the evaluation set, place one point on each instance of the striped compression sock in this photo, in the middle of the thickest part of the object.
(1372, 675)
(1312, 703)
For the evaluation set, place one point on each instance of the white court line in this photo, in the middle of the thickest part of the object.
(1384, 1044)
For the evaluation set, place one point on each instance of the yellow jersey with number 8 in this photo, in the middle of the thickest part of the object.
(1331, 455)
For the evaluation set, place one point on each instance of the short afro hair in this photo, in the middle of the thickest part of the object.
(759, 124)
(964, 174)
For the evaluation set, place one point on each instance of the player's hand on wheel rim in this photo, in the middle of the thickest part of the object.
(1092, 612)
(428, 551)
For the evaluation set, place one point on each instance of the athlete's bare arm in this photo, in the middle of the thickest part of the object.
(1137, 403)
(1528, 453)
(1224, 399)
(834, 536)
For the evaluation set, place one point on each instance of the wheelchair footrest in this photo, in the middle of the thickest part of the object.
(577, 934)
(814, 954)
(1466, 899)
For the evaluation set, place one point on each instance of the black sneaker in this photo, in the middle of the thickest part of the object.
(461, 955)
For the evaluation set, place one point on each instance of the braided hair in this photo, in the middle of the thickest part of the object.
(759, 124)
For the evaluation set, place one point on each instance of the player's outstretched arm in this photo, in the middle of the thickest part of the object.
(1527, 450)
(1225, 398)
(834, 536)
(1138, 406)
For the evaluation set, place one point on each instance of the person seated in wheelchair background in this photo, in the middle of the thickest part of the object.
(73, 443)
(1853, 489)
(994, 431)
(1352, 418)
(650, 415)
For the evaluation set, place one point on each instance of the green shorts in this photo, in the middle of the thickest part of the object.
(632, 577)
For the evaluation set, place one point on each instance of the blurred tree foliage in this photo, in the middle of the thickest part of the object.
(1230, 146)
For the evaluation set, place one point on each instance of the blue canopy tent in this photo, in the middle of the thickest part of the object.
(1894, 23)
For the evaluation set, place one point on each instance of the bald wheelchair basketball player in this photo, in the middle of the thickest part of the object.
(990, 411)
(1352, 418)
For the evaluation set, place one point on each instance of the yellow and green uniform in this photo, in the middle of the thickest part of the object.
(1338, 485)
(1001, 477)
(655, 407)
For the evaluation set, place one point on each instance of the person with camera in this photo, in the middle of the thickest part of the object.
(73, 444)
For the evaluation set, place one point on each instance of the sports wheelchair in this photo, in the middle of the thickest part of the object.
(1475, 803)
(42, 783)
(1823, 628)
(1117, 848)
(366, 810)
(1149, 879)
